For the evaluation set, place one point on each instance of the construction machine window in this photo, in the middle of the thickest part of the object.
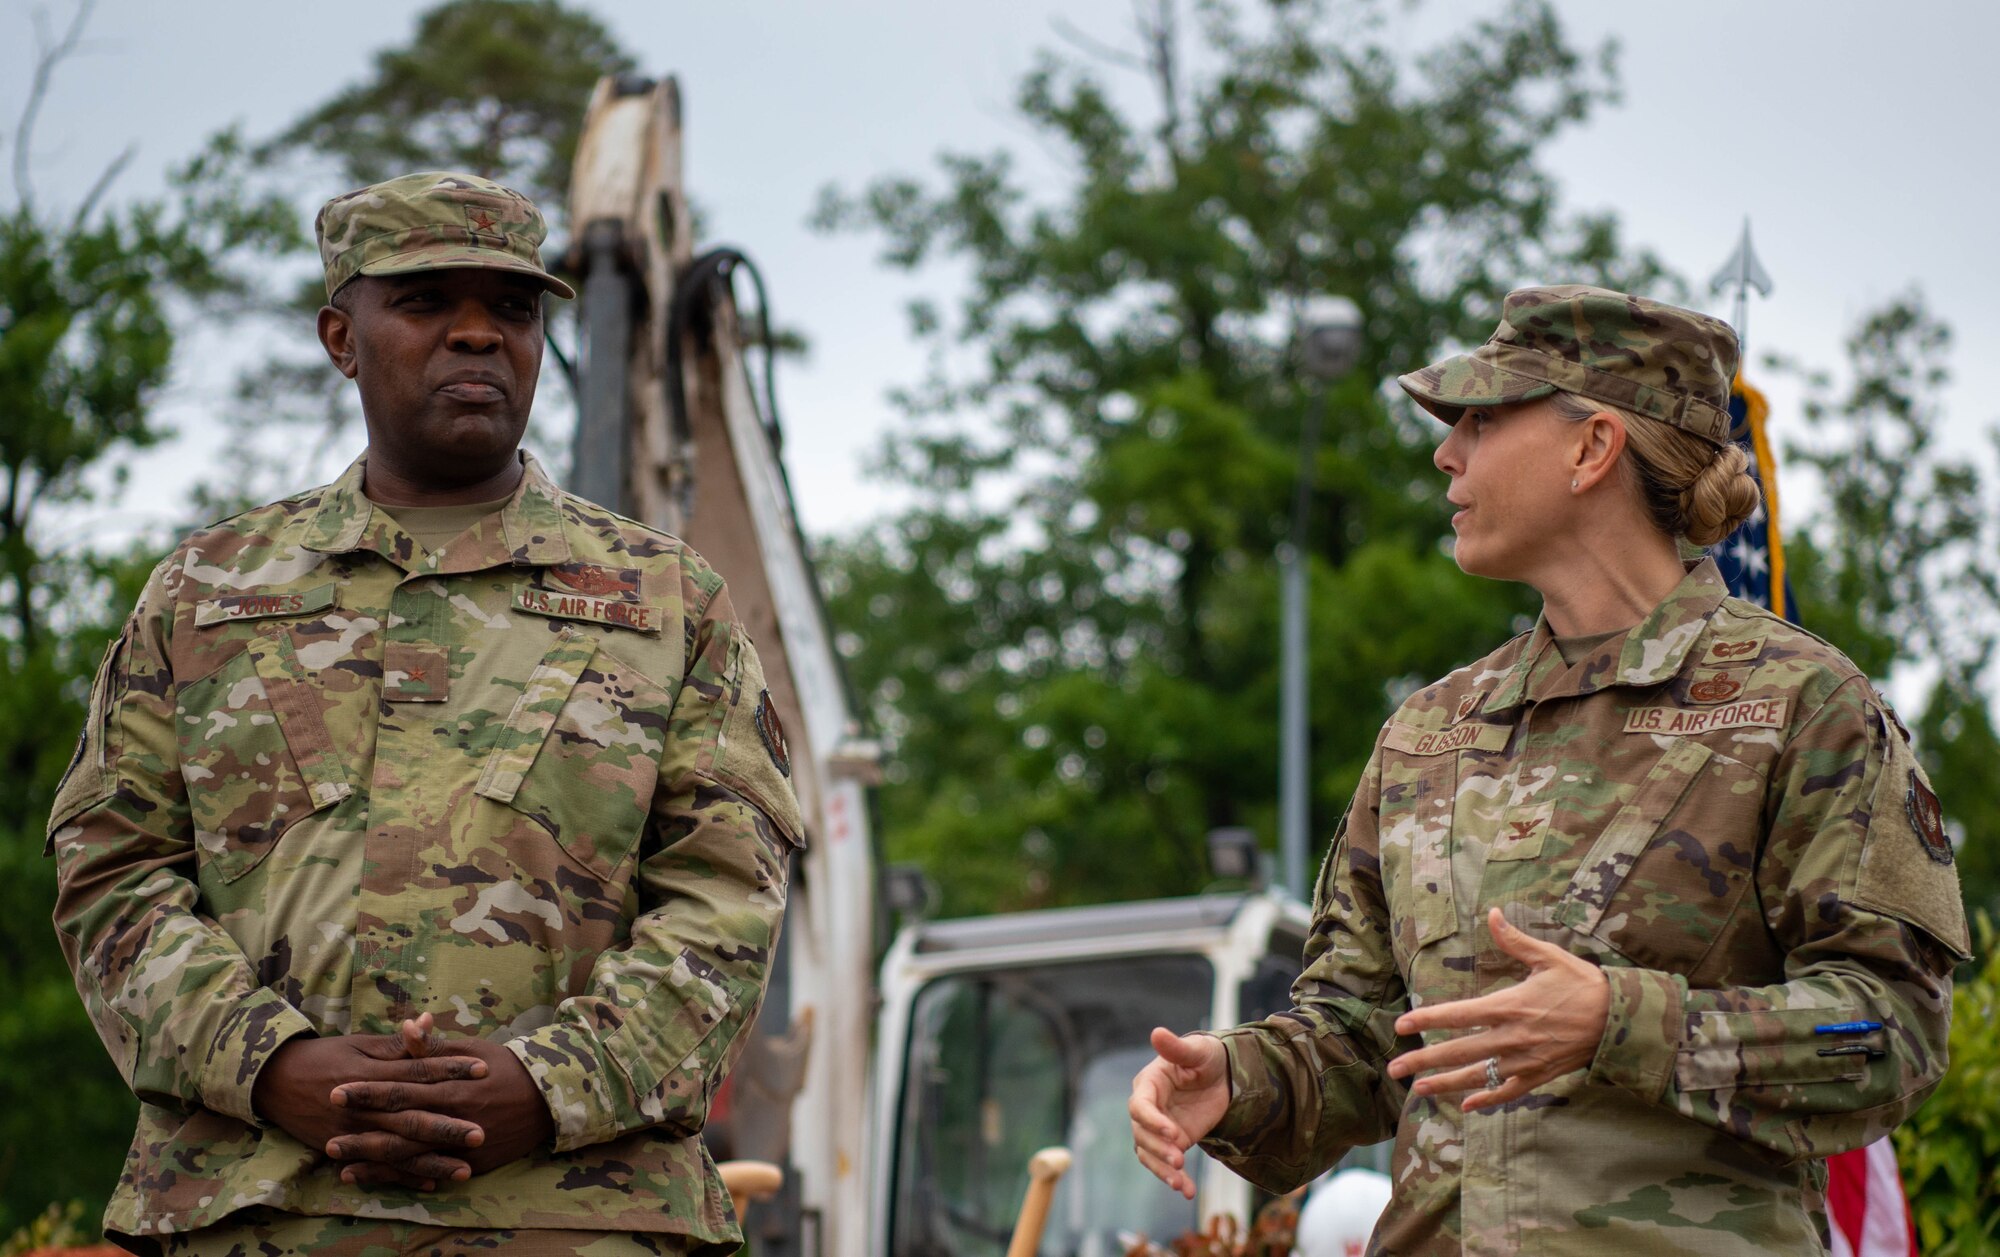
(1268, 989)
(1003, 1063)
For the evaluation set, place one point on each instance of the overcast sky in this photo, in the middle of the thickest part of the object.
(1854, 136)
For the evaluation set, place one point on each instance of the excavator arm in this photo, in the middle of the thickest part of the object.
(672, 431)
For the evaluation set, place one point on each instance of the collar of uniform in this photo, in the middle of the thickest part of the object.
(1653, 650)
(530, 534)
(346, 520)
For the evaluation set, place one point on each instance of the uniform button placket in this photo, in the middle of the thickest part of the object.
(393, 846)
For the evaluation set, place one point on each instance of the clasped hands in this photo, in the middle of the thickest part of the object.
(405, 1110)
(1537, 1030)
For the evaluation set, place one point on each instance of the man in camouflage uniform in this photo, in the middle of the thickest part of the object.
(1708, 823)
(435, 746)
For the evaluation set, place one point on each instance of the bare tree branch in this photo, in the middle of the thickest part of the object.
(1091, 46)
(103, 184)
(1161, 34)
(48, 56)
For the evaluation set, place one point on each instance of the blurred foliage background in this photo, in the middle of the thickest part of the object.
(1067, 640)
(1949, 1151)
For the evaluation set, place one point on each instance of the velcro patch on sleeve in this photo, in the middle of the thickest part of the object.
(258, 605)
(1669, 721)
(1906, 869)
(1478, 737)
(618, 613)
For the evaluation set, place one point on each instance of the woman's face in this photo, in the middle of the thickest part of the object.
(1510, 473)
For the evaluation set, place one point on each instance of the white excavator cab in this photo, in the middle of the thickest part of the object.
(1001, 1035)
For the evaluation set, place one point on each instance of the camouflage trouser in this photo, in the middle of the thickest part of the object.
(263, 1232)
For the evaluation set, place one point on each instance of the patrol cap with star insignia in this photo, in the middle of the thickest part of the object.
(435, 220)
(1651, 358)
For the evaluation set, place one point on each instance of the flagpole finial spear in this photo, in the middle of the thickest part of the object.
(1742, 272)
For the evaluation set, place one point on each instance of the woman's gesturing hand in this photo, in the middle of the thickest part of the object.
(1537, 1030)
(1175, 1101)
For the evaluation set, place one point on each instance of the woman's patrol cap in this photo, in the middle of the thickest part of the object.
(436, 220)
(1653, 359)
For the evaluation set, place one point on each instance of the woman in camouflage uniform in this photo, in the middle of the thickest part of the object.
(1633, 920)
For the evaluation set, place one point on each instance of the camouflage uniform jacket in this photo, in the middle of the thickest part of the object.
(530, 783)
(1717, 809)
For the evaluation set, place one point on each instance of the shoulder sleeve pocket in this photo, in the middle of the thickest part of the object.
(1906, 869)
(753, 754)
(90, 777)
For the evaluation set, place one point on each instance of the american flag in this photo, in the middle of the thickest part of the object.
(1866, 1205)
(1752, 558)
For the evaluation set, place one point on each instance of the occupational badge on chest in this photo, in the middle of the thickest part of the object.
(1927, 818)
(594, 580)
(1733, 652)
(1715, 687)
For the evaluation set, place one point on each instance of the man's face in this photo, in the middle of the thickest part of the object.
(446, 362)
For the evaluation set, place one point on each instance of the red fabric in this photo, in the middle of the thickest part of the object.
(1864, 1196)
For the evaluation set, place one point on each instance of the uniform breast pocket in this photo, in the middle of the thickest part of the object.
(1414, 828)
(579, 754)
(255, 755)
(1665, 877)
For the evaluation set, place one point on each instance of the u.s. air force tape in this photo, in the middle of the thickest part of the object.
(638, 616)
(1754, 713)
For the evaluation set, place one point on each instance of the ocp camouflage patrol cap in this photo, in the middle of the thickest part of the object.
(435, 220)
(1653, 359)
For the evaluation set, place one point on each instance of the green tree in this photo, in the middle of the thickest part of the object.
(1899, 570)
(495, 87)
(1949, 1151)
(1071, 635)
(87, 310)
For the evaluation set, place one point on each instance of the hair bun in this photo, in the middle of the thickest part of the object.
(1719, 498)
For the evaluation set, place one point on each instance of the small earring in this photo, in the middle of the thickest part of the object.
(1572, 484)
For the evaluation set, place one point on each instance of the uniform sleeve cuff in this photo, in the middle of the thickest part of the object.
(246, 1041)
(573, 1072)
(1642, 1031)
(1250, 1091)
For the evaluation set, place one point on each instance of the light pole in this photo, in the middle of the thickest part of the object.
(1328, 344)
